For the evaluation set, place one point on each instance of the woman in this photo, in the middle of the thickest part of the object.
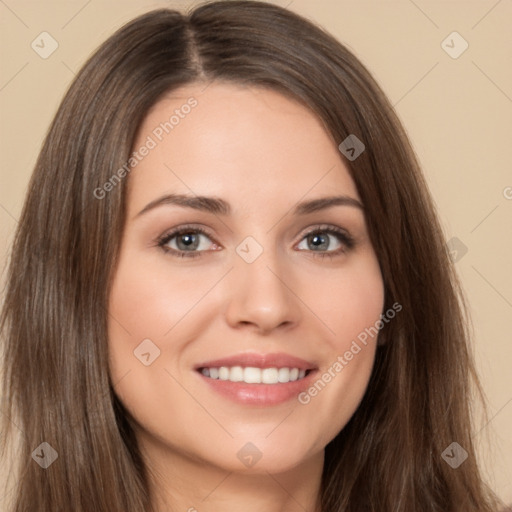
(229, 288)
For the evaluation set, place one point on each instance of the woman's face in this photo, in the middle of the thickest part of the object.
(265, 279)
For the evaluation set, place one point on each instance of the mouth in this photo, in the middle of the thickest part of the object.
(258, 379)
(253, 375)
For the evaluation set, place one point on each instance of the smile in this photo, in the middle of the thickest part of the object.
(252, 375)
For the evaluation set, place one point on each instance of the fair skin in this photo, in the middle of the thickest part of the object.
(263, 154)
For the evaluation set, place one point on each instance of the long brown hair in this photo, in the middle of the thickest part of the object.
(56, 386)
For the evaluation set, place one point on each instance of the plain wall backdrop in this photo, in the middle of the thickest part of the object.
(453, 92)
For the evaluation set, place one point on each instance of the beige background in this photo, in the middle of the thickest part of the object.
(458, 113)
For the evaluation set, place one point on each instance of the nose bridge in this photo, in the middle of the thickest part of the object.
(260, 294)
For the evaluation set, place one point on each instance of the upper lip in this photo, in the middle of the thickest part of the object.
(254, 360)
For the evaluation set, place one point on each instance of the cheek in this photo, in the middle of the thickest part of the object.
(351, 308)
(147, 300)
(143, 308)
(351, 302)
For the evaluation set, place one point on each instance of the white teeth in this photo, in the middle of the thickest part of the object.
(251, 375)
(223, 373)
(236, 374)
(269, 376)
(284, 375)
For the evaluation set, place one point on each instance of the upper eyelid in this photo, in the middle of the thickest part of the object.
(186, 228)
(173, 233)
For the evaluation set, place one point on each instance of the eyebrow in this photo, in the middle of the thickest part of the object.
(220, 207)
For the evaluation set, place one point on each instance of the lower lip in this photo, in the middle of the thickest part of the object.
(259, 394)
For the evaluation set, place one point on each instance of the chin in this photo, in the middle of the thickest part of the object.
(263, 457)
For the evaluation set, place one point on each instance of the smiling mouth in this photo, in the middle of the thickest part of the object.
(252, 375)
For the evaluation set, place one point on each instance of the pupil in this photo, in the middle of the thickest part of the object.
(319, 241)
(188, 240)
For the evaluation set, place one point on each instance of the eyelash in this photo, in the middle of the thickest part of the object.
(344, 238)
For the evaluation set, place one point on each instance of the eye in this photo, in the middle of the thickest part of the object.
(326, 241)
(191, 241)
(187, 242)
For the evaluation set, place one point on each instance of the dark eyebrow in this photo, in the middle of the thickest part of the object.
(220, 207)
(326, 202)
(203, 203)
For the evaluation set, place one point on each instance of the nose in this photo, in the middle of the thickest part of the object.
(261, 297)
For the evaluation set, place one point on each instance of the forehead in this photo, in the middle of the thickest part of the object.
(233, 141)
